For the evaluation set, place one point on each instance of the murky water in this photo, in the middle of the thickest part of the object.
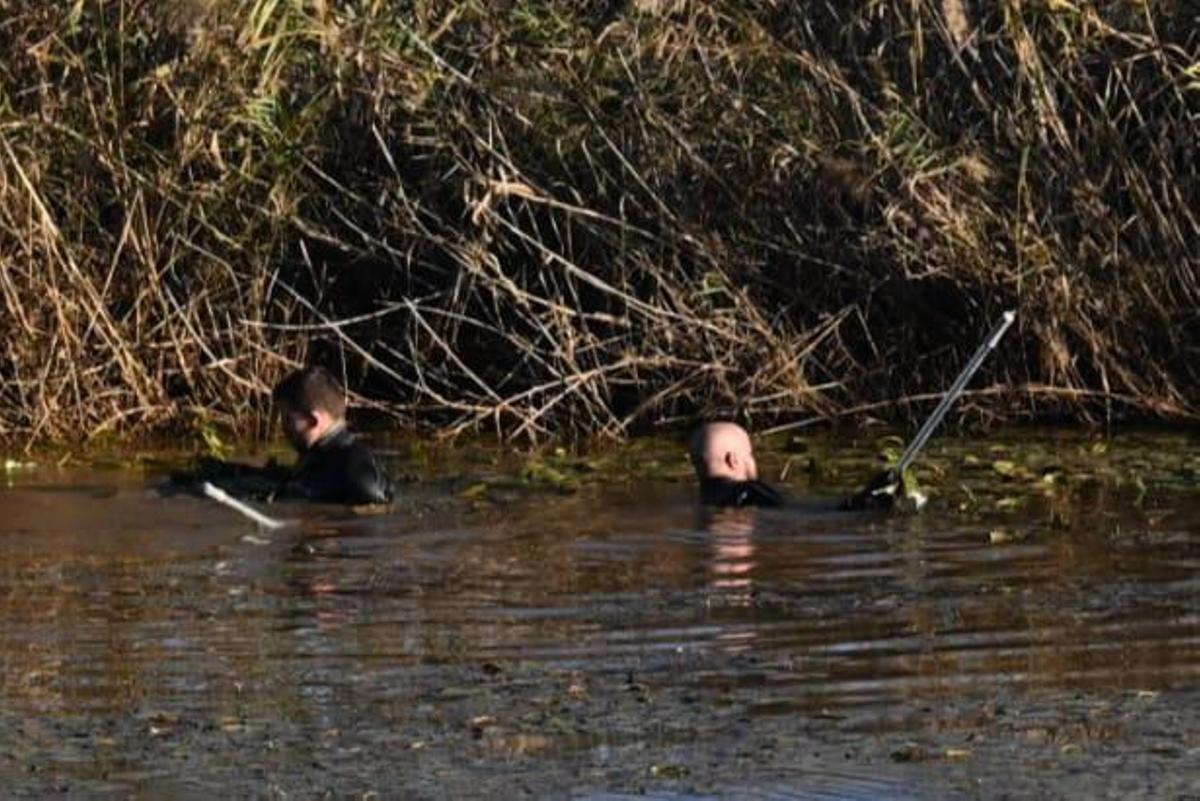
(611, 643)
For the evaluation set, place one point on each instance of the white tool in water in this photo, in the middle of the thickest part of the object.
(222, 497)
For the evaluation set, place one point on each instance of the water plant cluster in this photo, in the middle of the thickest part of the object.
(545, 216)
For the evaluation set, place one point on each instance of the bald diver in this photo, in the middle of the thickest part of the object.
(723, 457)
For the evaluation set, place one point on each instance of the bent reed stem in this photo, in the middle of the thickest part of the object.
(552, 219)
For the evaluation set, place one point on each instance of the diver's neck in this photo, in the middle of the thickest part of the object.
(329, 435)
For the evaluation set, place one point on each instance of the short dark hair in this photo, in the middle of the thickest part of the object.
(309, 389)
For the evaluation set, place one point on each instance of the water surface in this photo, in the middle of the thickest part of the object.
(613, 642)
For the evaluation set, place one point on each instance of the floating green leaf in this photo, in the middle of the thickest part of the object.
(1005, 468)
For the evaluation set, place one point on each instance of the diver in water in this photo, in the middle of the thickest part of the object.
(334, 467)
(723, 459)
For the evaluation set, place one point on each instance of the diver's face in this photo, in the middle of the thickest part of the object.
(299, 427)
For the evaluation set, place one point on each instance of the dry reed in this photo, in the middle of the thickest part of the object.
(552, 218)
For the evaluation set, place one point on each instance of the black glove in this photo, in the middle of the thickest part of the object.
(243, 480)
(880, 492)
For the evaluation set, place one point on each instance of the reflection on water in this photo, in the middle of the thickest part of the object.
(119, 605)
(732, 533)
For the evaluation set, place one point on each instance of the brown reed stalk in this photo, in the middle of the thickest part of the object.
(555, 219)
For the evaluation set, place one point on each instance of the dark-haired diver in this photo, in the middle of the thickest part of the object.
(334, 467)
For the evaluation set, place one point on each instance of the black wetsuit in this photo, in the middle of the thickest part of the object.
(339, 469)
(727, 492)
(336, 469)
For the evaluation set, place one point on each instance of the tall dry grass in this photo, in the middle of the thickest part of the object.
(550, 217)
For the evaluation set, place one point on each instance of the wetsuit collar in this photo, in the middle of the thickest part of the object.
(727, 492)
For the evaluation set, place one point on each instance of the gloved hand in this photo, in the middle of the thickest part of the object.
(881, 492)
(243, 480)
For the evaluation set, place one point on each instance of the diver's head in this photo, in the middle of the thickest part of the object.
(723, 450)
(311, 404)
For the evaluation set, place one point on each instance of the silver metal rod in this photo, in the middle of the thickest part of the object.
(952, 394)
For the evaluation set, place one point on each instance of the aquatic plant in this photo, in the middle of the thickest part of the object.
(545, 217)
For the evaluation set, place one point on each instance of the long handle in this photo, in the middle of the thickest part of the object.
(956, 389)
(220, 496)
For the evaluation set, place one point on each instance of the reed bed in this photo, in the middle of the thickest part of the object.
(549, 218)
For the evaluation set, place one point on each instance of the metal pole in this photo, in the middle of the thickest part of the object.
(956, 389)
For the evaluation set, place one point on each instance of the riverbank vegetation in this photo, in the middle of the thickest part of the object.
(553, 218)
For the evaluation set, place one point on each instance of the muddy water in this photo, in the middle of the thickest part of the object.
(605, 644)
